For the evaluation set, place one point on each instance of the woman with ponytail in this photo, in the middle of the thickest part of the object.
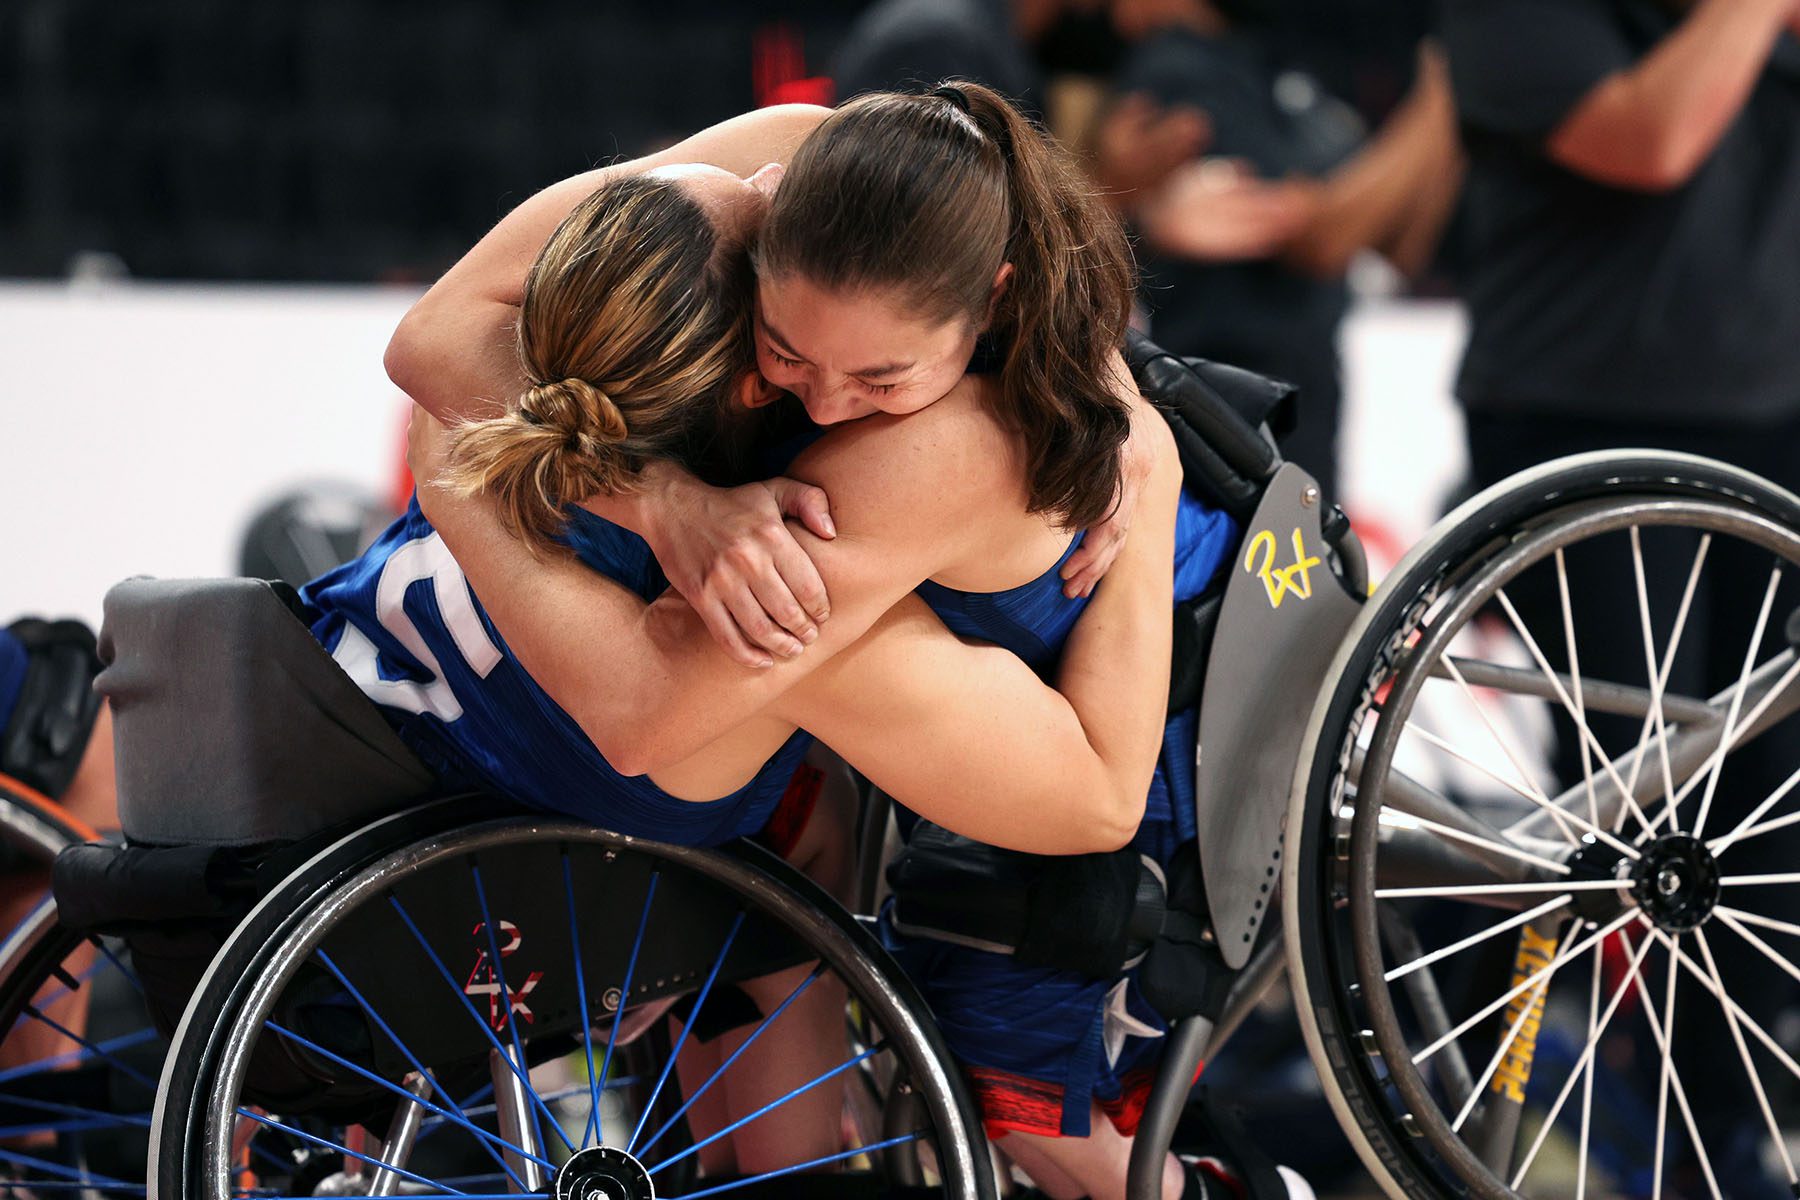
(933, 276)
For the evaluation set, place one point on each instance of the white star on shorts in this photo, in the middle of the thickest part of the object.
(1120, 1024)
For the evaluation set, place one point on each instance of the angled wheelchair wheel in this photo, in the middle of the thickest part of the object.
(78, 1055)
(1536, 922)
(453, 1003)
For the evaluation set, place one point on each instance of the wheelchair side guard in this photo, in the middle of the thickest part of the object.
(1283, 617)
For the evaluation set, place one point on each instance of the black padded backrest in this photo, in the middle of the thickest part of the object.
(1216, 413)
(231, 725)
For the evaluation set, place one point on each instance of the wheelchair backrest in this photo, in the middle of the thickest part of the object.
(232, 725)
(1284, 613)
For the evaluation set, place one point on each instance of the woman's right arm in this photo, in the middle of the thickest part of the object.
(455, 354)
(988, 750)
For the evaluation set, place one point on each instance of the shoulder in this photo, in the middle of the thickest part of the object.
(928, 469)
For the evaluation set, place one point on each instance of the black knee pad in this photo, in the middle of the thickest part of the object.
(48, 731)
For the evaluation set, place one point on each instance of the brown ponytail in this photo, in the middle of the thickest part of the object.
(634, 327)
(930, 195)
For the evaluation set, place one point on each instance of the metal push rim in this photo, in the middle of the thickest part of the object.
(1557, 531)
(956, 1136)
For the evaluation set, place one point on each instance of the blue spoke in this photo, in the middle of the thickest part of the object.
(77, 1125)
(84, 1177)
(625, 992)
(456, 990)
(772, 1105)
(592, 1128)
(66, 1185)
(497, 968)
(458, 1115)
(122, 1067)
(447, 1195)
(687, 1027)
(805, 1166)
(470, 1107)
(73, 1110)
(818, 970)
(123, 969)
(75, 1057)
(395, 1088)
(330, 1145)
(66, 985)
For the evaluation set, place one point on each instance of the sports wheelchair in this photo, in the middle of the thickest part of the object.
(456, 999)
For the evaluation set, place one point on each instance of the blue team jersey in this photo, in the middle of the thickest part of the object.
(403, 623)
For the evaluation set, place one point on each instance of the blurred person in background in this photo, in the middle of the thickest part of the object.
(1247, 235)
(1634, 280)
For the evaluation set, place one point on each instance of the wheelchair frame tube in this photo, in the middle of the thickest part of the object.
(1188, 1042)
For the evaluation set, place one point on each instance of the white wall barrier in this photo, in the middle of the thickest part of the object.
(141, 424)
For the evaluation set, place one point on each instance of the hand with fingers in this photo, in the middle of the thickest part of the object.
(731, 555)
(1139, 142)
(1219, 210)
(1149, 440)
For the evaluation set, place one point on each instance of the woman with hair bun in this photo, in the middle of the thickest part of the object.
(933, 278)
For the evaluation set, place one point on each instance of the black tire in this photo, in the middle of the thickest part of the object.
(1393, 1118)
(341, 905)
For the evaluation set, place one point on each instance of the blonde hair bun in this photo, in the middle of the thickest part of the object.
(574, 407)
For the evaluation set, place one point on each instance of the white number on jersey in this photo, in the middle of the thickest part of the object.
(421, 558)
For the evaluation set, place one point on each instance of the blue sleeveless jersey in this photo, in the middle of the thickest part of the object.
(1034, 619)
(403, 623)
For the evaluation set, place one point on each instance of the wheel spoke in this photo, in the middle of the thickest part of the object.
(1583, 1070)
(1748, 828)
(1758, 919)
(1665, 1046)
(468, 1006)
(687, 1027)
(1668, 1065)
(1655, 677)
(1502, 848)
(82, 1178)
(1737, 700)
(94, 1049)
(1774, 1047)
(389, 1085)
(637, 944)
(1737, 1037)
(454, 1115)
(1525, 787)
(1769, 952)
(1568, 616)
(1581, 726)
(1461, 891)
(1758, 880)
(497, 966)
(811, 976)
(1548, 971)
(772, 1105)
(1523, 985)
(1731, 735)
(100, 1051)
(1512, 922)
(592, 1128)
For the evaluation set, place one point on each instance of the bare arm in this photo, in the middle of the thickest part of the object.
(906, 495)
(1651, 127)
(453, 352)
(990, 752)
(1009, 759)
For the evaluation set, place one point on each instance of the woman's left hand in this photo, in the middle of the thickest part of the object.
(1101, 546)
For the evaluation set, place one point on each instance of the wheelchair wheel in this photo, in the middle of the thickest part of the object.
(527, 1004)
(74, 1108)
(1501, 857)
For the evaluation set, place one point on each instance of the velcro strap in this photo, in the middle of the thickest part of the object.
(116, 890)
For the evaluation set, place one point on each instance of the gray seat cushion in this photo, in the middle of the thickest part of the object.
(232, 726)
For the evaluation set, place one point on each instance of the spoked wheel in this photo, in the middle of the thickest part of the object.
(531, 1005)
(78, 1055)
(1526, 971)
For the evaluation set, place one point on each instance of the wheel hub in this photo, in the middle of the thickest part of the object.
(1676, 882)
(603, 1173)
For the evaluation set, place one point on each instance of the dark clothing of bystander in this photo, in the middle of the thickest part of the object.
(1675, 306)
(1263, 315)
